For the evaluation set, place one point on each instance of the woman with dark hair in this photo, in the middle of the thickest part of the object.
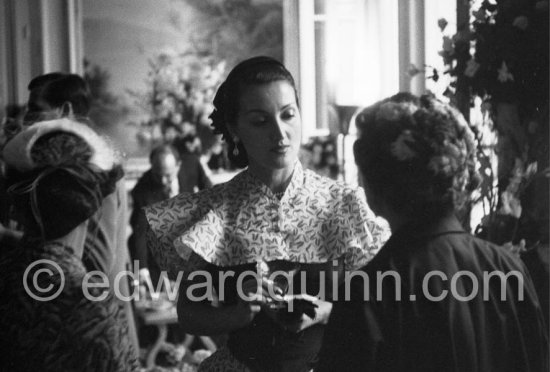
(448, 301)
(54, 315)
(273, 215)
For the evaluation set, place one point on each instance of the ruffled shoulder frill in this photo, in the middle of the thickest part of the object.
(241, 221)
(171, 218)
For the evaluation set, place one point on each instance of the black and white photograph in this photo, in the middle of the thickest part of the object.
(274, 185)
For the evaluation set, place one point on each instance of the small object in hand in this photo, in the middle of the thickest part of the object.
(280, 286)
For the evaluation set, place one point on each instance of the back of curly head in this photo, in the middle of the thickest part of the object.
(253, 71)
(417, 153)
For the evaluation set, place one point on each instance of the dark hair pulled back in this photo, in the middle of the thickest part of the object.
(253, 71)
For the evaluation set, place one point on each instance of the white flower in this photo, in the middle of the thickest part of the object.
(471, 68)
(400, 147)
(504, 74)
(521, 22)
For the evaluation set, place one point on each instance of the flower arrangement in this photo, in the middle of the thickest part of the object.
(503, 52)
(502, 213)
(181, 87)
(500, 58)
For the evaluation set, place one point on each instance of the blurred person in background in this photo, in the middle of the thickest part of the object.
(57, 95)
(158, 183)
(193, 176)
(10, 125)
(9, 233)
(58, 173)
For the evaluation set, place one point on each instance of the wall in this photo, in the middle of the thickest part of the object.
(36, 37)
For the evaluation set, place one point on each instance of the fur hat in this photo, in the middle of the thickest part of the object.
(58, 173)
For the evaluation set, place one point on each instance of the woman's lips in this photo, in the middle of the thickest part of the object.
(280, 149)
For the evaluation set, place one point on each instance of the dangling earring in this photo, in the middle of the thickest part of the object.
(236, 148)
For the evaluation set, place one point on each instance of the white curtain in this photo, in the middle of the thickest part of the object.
(362, 50)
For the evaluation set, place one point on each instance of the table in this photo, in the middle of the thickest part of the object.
(161, 317)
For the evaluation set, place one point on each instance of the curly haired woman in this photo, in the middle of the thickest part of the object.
(428, 305)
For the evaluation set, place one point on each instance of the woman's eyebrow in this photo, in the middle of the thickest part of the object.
(255, 110)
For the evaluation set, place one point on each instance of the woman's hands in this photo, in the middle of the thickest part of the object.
(254, 296)
(265, 295)
(294, 313)
(321, 308)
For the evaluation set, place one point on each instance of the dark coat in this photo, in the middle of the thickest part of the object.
(427, 330)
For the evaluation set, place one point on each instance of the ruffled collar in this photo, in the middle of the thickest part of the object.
(252, 224)
(242, 221)
(296, 181)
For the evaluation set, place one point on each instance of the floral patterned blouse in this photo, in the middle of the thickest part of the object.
(242, 221)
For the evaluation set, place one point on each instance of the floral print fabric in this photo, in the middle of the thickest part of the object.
(242, 221)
